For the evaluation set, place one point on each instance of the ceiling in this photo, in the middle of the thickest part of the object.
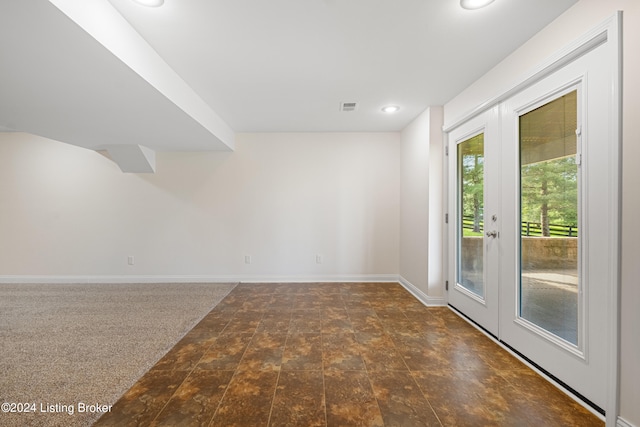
(191, 73)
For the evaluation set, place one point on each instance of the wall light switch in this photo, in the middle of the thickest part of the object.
(131, 260)
(318, 259)
(247, 259)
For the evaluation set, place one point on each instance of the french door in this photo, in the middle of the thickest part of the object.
(532, 196)
(474, 174)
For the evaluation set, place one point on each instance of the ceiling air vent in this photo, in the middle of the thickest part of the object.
(348, 106)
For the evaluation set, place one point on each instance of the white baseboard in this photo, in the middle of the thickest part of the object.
(623, 423)
(118, 279)
(357, 278)
(197, 279)
(422, 297)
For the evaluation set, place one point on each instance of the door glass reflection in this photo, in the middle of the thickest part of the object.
(470, 214)
(549, 234)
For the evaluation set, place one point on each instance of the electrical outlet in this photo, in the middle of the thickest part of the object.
(247, 259)
(318, 259)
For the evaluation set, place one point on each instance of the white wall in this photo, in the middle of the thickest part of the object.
(578, 20)
(437, 200)
(280, 198)
(421, 205)
(414, 205)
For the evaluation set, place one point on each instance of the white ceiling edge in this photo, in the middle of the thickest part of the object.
(133, 158)
(104, 23)
(60, 83)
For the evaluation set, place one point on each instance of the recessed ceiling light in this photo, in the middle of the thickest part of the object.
(474, 4)
(150, 3)
(390, 109)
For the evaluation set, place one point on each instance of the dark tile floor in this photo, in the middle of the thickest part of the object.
(357, 354)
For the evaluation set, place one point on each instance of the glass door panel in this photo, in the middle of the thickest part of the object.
(549, 280)
(474, 241)
(470, 222)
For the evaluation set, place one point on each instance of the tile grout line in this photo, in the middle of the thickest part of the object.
(373, 390)
(414, 379)
(405, 363)
(200, 360)
(275, 390)
(366, 370)
(324, 383)
(195, 364)
(235, 371)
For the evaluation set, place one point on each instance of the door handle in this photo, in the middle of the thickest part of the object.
(493, 234)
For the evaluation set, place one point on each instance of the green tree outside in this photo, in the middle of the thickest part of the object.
(550, 193)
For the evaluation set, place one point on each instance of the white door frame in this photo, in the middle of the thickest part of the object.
(607, 34)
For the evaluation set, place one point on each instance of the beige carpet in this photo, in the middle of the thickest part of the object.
(62, 346)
